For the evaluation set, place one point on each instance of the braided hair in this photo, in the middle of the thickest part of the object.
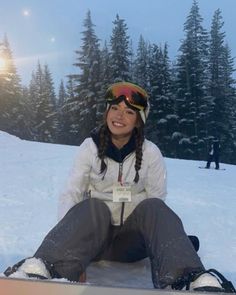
(104, 138)
(139, 139)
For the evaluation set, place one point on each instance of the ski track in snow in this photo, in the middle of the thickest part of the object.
(33, 174)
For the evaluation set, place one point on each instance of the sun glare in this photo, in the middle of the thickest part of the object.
(2, 64)
(26, 12)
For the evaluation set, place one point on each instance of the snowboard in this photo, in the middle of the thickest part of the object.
(202, 167)
(13, 286)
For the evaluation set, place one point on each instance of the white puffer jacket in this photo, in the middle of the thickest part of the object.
(86, 177)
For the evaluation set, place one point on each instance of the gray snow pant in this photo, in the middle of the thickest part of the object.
(152, 230)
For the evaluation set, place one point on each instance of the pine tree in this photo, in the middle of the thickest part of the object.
(141, 64)
(156, 109)
(132, 61)
(162, 122)
(106, 78)
(62, 98)
(26, 129)
(87, 83)
(120, 53)
(68, 130)
(229, 151)
(192, 101)
(42, 96)
(50, 97)
(62, 95)
(106, 63)
(11, 119)
(222, 89)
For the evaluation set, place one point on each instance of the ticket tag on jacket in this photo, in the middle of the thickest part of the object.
(121, 193)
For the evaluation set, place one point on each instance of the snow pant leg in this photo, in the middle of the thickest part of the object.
(170, 250)
(209, 160)
(127, 244)
(76, 239)
(217, 160)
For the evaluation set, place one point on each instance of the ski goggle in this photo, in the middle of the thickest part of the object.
(133, 95)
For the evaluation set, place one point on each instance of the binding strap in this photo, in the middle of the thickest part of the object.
(226, 285)
(185, 281)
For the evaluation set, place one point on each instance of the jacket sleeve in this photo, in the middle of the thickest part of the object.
(156, 181)
(77, 184)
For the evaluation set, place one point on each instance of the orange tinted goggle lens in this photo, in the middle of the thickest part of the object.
(134, 95)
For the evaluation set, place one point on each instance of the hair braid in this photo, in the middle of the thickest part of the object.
(139, 138)
(104, 139)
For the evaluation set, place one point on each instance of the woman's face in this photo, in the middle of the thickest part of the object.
(121, 120)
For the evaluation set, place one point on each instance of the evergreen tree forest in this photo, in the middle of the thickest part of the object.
(193, 98)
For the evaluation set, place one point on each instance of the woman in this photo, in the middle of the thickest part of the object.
(114, 206)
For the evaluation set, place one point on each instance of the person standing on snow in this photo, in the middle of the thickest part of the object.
(214, 154)
(113, 208)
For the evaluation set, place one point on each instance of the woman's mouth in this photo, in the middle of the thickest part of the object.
(118, 124)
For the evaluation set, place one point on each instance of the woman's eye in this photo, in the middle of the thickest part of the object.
(130, 112)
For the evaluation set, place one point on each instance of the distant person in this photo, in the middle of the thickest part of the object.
(214, 154)
(114, 206)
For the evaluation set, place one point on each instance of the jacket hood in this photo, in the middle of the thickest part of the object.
(112, 151)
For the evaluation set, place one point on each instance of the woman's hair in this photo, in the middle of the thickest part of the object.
(104, 138)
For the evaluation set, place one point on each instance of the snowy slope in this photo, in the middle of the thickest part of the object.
(32, 175)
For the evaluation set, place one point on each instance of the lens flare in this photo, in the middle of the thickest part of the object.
(2, 64)
(26, 12)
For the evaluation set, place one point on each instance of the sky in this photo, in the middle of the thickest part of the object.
(32, 175)
(50, 31)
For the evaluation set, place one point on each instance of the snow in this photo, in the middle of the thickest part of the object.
(32, 175)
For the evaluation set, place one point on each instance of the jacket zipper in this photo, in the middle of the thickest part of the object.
(123, 203)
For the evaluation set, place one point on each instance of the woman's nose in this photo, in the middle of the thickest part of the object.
(120, 113)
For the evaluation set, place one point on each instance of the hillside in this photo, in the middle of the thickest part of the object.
(32, 175)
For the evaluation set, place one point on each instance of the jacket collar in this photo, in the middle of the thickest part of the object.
(112, 151)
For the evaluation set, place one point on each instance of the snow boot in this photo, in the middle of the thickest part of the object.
(209, 281)
(205, 282)
(29, 268)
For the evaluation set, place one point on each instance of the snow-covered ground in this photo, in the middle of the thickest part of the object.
(33, 174)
